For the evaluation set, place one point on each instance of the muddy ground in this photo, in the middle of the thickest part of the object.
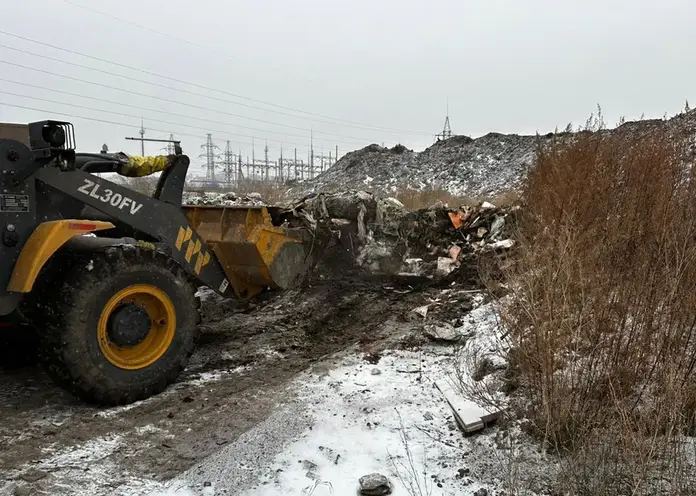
(246, 356)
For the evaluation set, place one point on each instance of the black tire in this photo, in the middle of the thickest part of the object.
(69, 343)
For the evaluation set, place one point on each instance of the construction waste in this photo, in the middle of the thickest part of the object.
(359, 231)
(379, 236)
(476, 167)
(229, 199)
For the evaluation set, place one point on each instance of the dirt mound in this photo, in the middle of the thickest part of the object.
(481, 167)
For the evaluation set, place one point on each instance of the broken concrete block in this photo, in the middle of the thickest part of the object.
(481, 232)
(445, 265)
(375, 485)
(500, 245)
(470, 416)
(442, 332)
(487, 206)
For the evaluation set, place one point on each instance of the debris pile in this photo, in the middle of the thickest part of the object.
(460, 165)
(480, 167)
(229, 199)
(379, 236)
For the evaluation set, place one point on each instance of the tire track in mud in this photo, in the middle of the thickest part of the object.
(235, 379)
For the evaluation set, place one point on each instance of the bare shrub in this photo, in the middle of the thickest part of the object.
(602, 316)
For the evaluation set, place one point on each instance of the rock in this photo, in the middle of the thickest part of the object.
(442, 332)
(445, 265)
(375, 485)
(481, 492)
(487, 206)
(481, 232)
(502, 245)
(375, 371)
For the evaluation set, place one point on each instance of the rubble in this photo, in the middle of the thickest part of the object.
(380, 236)
(480, 167)
(229, 199)
(442, 332)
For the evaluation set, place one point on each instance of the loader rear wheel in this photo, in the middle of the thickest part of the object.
(122, 326)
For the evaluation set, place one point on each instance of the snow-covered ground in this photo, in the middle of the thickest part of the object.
(351, 417)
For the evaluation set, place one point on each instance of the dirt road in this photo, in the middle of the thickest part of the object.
(52, 444)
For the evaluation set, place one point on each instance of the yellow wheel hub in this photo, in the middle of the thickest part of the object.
(159, 308)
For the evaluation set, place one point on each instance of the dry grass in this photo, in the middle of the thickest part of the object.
(272, 192)
(603, 321)
(415, 199)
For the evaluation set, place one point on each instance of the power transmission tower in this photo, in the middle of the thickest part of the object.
(170, 146)
(211, 158)
(446, 130)
(229, 164)
(240, 175)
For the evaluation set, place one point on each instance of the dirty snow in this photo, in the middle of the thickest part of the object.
(350, 418)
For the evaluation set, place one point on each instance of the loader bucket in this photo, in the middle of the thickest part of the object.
(255, 253)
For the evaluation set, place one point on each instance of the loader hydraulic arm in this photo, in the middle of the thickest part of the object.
(162, 220)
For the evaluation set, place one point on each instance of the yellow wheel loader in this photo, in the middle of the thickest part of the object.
(107, 277)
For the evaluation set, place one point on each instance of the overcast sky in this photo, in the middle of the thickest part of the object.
(354, 72)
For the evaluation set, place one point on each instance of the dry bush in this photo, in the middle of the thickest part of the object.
(145, 185)
(603, 321)
(415, 199)
(271, 191)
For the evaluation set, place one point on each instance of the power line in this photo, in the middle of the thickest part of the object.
(168, 100)
(207, 49)
(105, 121)
(140, 108)
(84, 107)
(208, 88)
(172, 88)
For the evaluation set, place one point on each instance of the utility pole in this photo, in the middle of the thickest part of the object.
(295, 163)
(253, 160)
(142, 138)
(311, 154)
(265, 152)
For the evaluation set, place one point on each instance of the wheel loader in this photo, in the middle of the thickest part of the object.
(107, 277)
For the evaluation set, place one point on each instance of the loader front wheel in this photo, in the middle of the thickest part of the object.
(123, 328)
